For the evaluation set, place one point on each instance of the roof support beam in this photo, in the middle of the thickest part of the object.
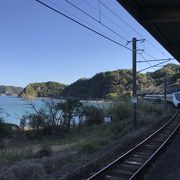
(160, 14)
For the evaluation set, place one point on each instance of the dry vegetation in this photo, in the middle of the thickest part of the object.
(33, 155)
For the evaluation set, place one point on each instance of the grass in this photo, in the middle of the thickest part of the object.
(78, 145)
(120, 128)
(10, 155)
(89, 147)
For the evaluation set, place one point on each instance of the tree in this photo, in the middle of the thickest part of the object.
(34, 120)
(70, 108)
(54, 113)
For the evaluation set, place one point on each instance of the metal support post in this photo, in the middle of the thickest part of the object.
(165, 91)
(134, 80)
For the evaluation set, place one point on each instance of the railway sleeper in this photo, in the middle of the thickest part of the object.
(173, 125)
(126, 166)
(156, 143)
(164, 134)
(159, 140)
(145, 152)
(122, 171)
(137, 155)
(118, 174)
(109, 177)
(135, 163)
(149, 146)
(138, 159)
(169, 130)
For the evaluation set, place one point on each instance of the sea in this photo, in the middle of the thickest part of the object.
(12, 108)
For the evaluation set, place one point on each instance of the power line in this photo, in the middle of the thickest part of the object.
(120, 18)
(149, 55)
(90, 5)
(96, 32)
(124, 23)
(146, 60)
(73, 15)
(154, 65)
(150, 60)
(115, 14)
(96, 20)
(81, 24)
(99, 11)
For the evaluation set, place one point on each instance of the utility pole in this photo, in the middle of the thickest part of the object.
(165, 91)
(134, 79)
(134, 99)
(134, 102)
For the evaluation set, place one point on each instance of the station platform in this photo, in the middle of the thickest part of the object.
(167, 166)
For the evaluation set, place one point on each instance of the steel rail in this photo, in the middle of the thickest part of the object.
(138, 173)
(108, 168)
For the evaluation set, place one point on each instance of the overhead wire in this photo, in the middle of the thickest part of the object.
(136, 32)
(106, 17)
(98, 33)
(57, 5)
(149, 55)
(150, 60)
(146, 60)
(128, 26)
(115, 14)
(100, 22)
(99, 5)
(83, 25)
(154, 65)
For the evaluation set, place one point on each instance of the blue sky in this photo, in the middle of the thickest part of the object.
(36, 44)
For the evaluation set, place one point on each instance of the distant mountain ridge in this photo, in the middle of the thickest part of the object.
(106, 84)
(10, 90)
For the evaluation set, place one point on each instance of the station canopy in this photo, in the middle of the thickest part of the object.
(161, 18)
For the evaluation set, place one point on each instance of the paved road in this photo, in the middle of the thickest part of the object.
(168, 165)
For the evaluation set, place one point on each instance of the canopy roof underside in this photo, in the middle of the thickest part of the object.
(161, 18)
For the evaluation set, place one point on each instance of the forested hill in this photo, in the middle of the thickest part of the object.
(113, 83)
(106, 84)
(172, 71)
(10, 90)
(172, 76)
(44, 89)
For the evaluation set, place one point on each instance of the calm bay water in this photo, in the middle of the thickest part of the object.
(14, 107)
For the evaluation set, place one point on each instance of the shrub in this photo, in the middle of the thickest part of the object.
(120, 127)
(89, 147)
(120, 110)
(94, 115)
(5, 130)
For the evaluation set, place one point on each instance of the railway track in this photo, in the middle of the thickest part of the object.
(132, 164)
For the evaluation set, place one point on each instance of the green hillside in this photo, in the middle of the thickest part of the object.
(44, 89)
(106, 84)
(173, 74)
